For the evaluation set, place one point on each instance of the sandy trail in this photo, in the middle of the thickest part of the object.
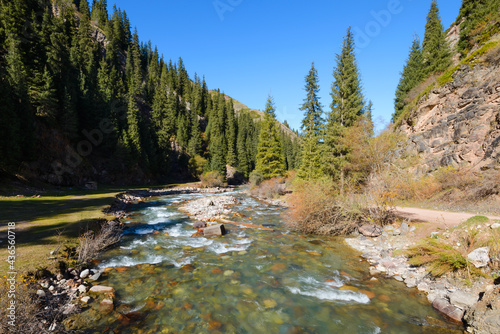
(435, 216)
(434, 220)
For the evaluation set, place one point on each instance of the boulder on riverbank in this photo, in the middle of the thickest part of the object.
(484, 316)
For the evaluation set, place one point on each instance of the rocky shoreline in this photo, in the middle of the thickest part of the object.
(476, 306)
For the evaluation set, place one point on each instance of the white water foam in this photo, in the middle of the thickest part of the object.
(191, 242)
(331, 294)
(182, 262)
(137, 243)
(178, 230)
(127, 261)
(309, 286)
(224, 248)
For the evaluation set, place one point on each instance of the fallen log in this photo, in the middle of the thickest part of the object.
(225, 221)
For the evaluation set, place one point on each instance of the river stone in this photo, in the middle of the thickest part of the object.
(82, 288)
(102, 289)
(404, 228)
(452, 312)
(85, 273)
(463, 299)
(370, 230)
(270, 303)
(199, 224)
(85, 299)
(40, 293)
(96, 276)
(106, 306)
(396, 231)
(495, 225)
(479, 257)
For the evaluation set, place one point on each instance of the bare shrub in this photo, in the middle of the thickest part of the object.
(27, 308)
(270, 189)
(212, 179)
(92, 243)
(317, 209)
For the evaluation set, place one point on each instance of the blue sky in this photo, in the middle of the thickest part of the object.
(249, 49)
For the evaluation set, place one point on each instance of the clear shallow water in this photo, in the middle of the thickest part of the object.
(249, 281)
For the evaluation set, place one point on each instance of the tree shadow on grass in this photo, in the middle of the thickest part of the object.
(30, 209)
(47, 234)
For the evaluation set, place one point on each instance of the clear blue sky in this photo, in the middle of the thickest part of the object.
(250, 48)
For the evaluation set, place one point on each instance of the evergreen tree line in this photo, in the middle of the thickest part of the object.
(67, 70)
(478, 20)
(430, 57)
(325, 150)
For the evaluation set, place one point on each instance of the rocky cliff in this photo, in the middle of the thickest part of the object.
(458, 123)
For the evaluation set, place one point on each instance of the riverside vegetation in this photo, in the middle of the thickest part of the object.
(165, 125)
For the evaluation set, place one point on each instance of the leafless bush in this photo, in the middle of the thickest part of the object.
(26, 307)
(92, 243)
(270, 189)
(318, 209)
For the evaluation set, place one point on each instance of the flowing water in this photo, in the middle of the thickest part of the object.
(248, 281)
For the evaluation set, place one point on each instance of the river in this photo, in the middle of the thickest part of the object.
(248, 281)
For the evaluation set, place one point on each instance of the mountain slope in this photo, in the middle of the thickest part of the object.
(455, 117)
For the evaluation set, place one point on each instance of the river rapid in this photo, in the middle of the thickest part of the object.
(248, 281)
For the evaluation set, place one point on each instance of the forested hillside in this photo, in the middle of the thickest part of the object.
(83, 98)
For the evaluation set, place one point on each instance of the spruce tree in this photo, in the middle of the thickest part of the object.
(435, 48)
(269, 152)
(312, 126)
(346, 107)
(133, 135)
(411, 76)
(231, 131)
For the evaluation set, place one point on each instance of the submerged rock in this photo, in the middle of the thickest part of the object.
(102, 289)
(106, 306)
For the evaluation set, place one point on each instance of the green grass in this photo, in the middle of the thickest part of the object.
(447, 76)
(57, 217)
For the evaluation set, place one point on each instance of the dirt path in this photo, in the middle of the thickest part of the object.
(434, 220)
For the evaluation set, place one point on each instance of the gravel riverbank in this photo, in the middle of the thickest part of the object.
(459, 302)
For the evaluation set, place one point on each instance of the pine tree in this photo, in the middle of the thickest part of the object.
(411, 76)
(312, 125)
(231, 131)
(346, 107)
(43, 96)
(347, 96)
(133, 135)
(435, 49)
(269, 152)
